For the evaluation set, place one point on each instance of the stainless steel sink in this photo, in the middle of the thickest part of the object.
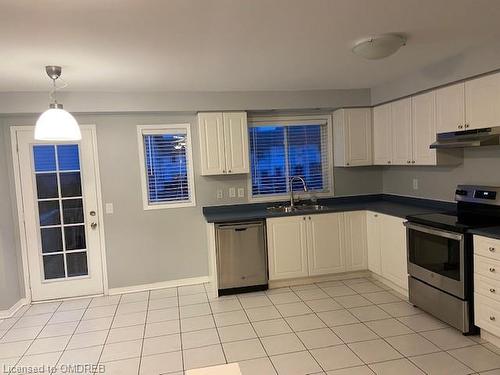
(304, 207)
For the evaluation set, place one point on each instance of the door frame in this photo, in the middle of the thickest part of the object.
(14, 129)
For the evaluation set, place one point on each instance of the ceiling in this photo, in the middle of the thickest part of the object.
(222, 45)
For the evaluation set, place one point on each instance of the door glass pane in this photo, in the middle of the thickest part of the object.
(71, 185)
(53, 266)
(72, 211)
(51, 240)
(45, 158)
(46, 185)
(49, 213)
(77, 264)
(437, 254)
(68, 158)
(75, 237)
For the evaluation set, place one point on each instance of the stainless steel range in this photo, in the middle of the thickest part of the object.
(440, 255)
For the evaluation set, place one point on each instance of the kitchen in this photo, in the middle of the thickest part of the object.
(114, 248)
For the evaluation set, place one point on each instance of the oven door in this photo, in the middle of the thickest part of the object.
(436, 257)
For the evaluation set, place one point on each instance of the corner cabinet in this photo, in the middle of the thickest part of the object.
(223, 143)
(352, 134)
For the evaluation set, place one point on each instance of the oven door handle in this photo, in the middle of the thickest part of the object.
(434, 231)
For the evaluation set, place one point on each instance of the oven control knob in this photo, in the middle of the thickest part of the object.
(492, 249)
(492, 290)
(492, 318)
(492, 269)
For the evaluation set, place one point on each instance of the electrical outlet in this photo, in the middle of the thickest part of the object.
(415, 184)
(232, 192)
(220, 194)
(109, 208)
(241, 192)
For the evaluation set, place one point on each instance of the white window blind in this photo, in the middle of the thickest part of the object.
(167, 163)
(281, 151)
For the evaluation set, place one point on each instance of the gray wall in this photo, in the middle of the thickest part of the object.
(10, 283)
(480, 166)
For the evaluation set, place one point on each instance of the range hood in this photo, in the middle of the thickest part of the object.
(468, 138)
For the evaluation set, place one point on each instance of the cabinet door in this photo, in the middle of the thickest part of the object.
(358, 136)
(339, 139)
(382, 135)
(373, 241)
(482, 98)
(450, 108)
(355, 240)
(287, 247)
(325, 240)
(423, 115)
(211, 130)
(393, 257)
(401, 132)
(236, 142)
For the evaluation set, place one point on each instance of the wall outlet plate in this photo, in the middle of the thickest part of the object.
(241, 192)
(220, 194)
(109, 208)
(232, 192)
(415, 184)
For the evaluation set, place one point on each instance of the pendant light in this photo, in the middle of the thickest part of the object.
(56, 124)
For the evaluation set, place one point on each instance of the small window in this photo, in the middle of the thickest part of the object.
(281, 150)
(166, 166)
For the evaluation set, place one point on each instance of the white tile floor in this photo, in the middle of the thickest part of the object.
(356, 326)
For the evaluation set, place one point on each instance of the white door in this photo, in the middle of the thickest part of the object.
(211, 129)
(373, 237)
(450, 108)
(287, 247)
(401, 132)
(355, 240)
(359, 136)
(325, 239)
(482, 96)
(236, 142)
(424, 128)
(382, 135)
(60, 206)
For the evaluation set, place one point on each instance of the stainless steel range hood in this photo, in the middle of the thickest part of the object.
(468, 138)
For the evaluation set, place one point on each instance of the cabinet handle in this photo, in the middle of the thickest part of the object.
(229, 171)
(309, 217)
(346, 163)
(408, 162)
(376, 215)
(413, 161)
(492, 290)
(492, 318)
(492, 249)
(389, 162)
(492, 269)
(304, 218)
(466, 126)
(223, 171)
(460, 126)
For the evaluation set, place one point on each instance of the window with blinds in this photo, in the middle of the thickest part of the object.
(166, 157)
(281, 151)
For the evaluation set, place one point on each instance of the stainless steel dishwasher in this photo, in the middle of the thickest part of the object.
(241, 257)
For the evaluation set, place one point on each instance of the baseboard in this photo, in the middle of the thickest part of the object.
(390, 284)
(159, 285)
(4, 314)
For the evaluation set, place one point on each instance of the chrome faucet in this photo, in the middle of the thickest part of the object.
(292, 179)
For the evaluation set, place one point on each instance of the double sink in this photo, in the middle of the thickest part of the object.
(297, 208)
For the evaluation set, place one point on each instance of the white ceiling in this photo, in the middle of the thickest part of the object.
(218, 45)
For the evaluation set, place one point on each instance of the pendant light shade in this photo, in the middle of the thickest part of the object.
(56, 124)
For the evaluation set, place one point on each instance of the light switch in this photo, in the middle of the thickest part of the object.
(232, 192)
(415, 184)
(109, 208)
(241, 192)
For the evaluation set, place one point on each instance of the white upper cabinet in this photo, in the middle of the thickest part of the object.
(325, 243)
(401, 132)
(482, 102)
(450, 108)
(423, 117)
(382, 135)
(352, 132)
(223, 143)
(236, 142)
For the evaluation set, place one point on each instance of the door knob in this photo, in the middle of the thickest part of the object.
(93, 225)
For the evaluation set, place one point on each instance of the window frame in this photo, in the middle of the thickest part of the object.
(294, 120)
(161, 129)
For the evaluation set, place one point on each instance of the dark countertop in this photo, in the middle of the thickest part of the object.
(492, 232)
(394, 205)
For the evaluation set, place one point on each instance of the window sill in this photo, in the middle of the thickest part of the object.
(161, 206)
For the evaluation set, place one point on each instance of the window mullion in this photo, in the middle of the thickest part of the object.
(287, 160)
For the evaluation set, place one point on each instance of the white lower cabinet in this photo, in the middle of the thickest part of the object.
(355, 241)
(325, 238)
(386, 238)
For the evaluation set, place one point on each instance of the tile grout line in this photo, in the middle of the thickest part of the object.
(144, 334)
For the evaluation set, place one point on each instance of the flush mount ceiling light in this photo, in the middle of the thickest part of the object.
(56, 124)
(379, 46)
